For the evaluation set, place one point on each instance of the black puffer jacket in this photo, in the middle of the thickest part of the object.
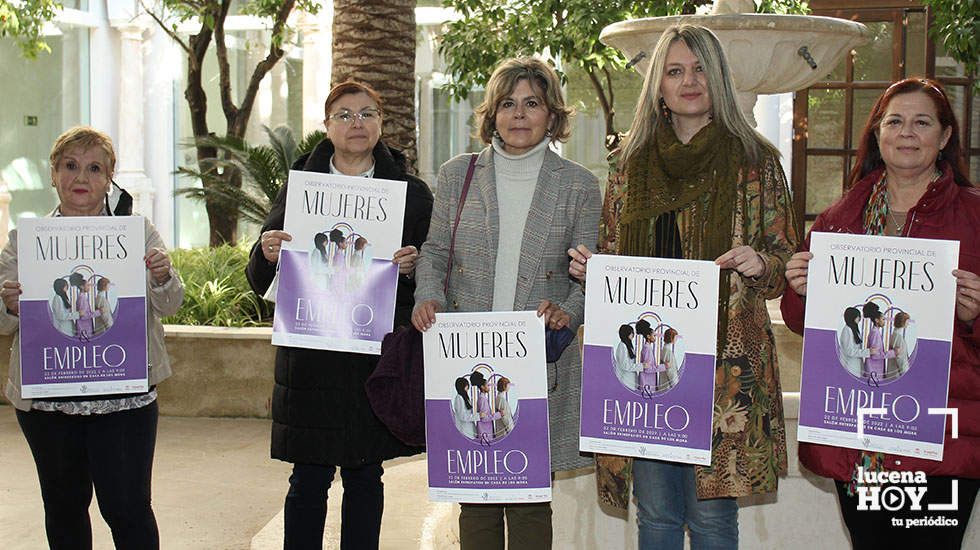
(320, 412)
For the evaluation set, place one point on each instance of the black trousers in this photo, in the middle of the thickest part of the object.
(481, 526)
(112, 452)
(904, 528)
(360, 513)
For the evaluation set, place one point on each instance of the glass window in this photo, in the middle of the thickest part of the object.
(957, 100)
(452, 122)
(873, 61)
(864, 101)
(915, 44)
(824, 181)
(946, 66)
(51, 96)
(825, 127)
(974, 122)
(278, 102)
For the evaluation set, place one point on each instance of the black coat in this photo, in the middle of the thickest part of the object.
(320, 411)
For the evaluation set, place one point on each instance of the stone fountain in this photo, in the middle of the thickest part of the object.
(768, 54)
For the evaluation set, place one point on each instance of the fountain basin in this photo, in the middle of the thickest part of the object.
(762, 50)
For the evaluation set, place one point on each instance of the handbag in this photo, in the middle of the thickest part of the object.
(396, 388)
(555, 342)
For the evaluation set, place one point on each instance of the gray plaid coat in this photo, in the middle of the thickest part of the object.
(564, 213)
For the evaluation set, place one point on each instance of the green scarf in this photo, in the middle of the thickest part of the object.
(697, 180)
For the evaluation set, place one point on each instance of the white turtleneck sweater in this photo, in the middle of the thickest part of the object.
(516, 179)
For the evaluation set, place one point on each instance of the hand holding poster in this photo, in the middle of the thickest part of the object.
(337, 283)
(83, 307)
(484, 444)
(648, 370)
(878, 334)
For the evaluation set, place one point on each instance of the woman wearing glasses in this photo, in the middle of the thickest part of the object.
(525, 207)
(321, 416)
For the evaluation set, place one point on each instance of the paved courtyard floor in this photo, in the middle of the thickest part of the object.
(215, 487)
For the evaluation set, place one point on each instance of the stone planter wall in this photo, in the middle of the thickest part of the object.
(216, 371)
(229, 371)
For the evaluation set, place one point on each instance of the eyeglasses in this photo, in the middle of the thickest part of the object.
(365, 116)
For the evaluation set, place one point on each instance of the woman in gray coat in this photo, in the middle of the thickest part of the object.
(525, 207)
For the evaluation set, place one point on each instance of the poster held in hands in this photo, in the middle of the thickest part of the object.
(878, 335)
(648, 367)
(486, 408)
(336, 283)
(83, 306)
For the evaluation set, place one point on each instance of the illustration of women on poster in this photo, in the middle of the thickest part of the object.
(852, 352)
(668, 360)
(360, 264)
(504, 405)
(624, 359)
(648, 356)
(899, 344)
(463, 413)
(874, 365)
(85, 324)
(484, 428)
(103, 306)
(320, 261)
(63, 317)
(338, 260)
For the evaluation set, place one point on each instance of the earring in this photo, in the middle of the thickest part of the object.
(548, 133)
(664, 110)
(495, 134)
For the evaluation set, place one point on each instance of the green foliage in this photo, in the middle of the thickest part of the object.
(216, 291)
(264, 170)
(956, 24)
(493, 30)
(782, 7)
(208, 12)
(24, 20)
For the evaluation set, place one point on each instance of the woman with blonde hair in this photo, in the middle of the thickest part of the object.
(694, 180)
(525, 207)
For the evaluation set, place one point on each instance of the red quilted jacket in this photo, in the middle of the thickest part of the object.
(945, 211)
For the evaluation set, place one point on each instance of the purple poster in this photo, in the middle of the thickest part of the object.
(336, 283)
(83, 307)
(648, 369)
(486, 408)
(877, 343)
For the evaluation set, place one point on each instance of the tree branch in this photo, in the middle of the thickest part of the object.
(224, 69)
(163, 26)
(262, 68)
(603, 101)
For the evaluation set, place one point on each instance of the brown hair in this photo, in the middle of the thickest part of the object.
(502, 384)
(868, 157)
(503, 81)
(86, 138)
(901, 319)
(350, 87)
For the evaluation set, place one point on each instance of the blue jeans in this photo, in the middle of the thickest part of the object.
(666, 500)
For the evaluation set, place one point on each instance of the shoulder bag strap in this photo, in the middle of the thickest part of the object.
(459, 212)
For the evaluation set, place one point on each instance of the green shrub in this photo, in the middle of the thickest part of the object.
(216, 291)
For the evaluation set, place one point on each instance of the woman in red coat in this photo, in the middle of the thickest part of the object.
(910, 180)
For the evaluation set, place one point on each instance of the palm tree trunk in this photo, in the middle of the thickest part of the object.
(374, 43)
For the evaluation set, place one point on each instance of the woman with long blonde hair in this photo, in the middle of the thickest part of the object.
(693, 180)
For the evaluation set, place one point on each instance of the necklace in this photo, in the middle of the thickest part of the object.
(889, 211)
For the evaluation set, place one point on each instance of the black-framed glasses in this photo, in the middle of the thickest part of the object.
(365, 116)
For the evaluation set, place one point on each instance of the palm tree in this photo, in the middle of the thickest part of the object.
(263, 168)
(374, 43)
